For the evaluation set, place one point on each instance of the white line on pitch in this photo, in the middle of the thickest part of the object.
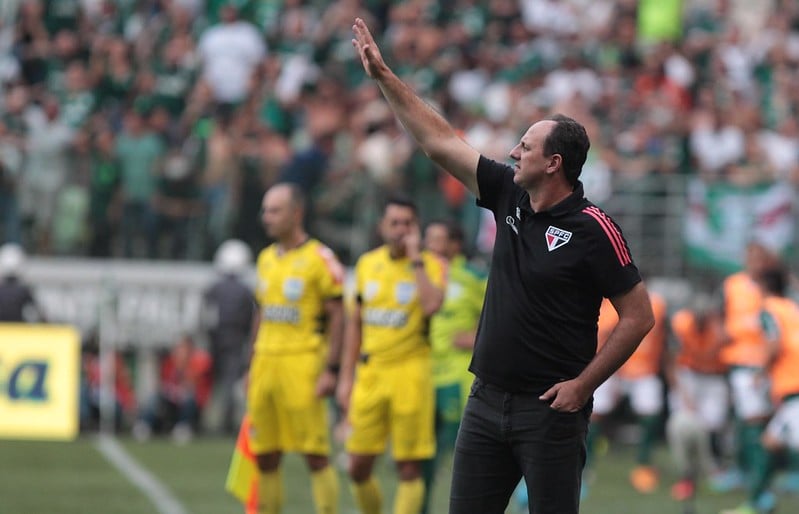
(154, 490)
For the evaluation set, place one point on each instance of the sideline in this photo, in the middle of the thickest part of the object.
(164, 501)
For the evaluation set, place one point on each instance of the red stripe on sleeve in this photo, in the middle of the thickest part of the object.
(613, 235)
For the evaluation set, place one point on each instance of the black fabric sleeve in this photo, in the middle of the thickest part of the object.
(493, 181)
(610, 259)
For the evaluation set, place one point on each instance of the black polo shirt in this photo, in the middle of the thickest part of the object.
(549, 272)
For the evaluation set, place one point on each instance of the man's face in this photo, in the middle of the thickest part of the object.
(531, 165)
(397, 223)
(279, 215)
(436, 239)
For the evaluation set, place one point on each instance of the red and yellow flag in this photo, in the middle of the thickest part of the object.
(242, 476)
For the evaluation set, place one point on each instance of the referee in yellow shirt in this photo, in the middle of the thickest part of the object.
(299, 295)
(386, 383)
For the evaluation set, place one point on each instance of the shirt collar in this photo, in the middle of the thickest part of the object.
(561, 208)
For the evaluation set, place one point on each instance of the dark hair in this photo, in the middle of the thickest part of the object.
(569, 139)
(455, 231)
(402, 201)
(453, 228)
(774, 281)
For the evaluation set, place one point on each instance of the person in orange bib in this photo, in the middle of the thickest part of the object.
(745, 355)
(698, 393)
(780, 322)
(639, 380)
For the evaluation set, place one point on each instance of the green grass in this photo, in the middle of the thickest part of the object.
(67, 478)
(63, 478)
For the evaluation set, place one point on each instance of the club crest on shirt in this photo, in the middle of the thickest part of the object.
(370, 290)
(404, 292)
(292, 288)
(557, 237)
(454, 290)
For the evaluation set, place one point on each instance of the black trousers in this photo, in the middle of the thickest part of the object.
(504, 436)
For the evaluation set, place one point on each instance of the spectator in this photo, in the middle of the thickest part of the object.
(219, 176)
(104, 192)
(124, 397)
(32, 42)
(10, 170)
(177, 205)
(139, 152)
(230, 53)
(17, 303)
(229, 314)
(183, 390)
(48, 142)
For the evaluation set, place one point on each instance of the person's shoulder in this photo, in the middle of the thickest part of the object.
(594, 219)
(376, 254)
(266, 253)
(318, 248)
(433, 257)
(326, 258)
(490, 165)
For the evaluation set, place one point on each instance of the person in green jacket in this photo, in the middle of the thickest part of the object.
(452, 333)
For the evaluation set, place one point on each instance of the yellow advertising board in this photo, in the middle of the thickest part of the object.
(39, 381)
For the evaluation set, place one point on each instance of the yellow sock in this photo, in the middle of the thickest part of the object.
(410, 495)
(270, 493)
(324, 486)
(367, 496)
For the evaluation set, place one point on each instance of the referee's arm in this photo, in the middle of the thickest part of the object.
(349, 356)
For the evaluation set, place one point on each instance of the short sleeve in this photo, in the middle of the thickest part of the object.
(359, 280)
(332, 275)
(609, 258)
(493, 182)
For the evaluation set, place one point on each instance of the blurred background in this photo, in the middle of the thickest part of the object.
(136, 136)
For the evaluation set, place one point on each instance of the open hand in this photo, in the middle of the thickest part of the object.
(370, 55)
(343, 393)
(325, 384)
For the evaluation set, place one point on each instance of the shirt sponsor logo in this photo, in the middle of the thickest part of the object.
(292, 288)
(454, 290)
(391, 318)
(281, 314)
(512, 222)
(404, 292)
(557, 237)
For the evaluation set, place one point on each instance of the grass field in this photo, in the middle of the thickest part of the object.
(75, 478)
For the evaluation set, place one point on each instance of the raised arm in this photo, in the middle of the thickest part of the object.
(431, 131)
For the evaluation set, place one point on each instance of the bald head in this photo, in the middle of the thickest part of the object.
(283, 208)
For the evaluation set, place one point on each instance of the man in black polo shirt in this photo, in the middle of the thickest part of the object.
(556, 256)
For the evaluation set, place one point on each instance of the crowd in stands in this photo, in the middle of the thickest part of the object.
(151, 128)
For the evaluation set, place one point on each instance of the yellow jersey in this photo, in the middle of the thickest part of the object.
(291, 291)
(393, 325)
